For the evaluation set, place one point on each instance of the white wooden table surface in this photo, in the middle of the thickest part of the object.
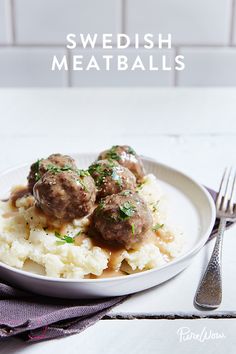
(191, 129)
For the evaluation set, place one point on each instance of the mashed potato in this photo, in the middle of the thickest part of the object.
(24, 238)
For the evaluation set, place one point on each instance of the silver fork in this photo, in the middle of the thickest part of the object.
(209, 292)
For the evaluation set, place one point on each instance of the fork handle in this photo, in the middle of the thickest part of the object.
(209, 292)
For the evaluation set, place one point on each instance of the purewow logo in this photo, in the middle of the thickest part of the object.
(185, 334)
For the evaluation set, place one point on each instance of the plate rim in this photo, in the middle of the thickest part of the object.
(187, 255)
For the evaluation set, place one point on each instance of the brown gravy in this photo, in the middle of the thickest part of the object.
(107, 273)
(51, 223)
(165, 236)
(159, 238)
(114, 250)
(9, 214)
(18, 192)
(79, 239)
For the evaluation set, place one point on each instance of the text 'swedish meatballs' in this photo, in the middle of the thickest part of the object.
(40, 167)
(122, 218)
(111, 178)
(126, 157)
(65, 195)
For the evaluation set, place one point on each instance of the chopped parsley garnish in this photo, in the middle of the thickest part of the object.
(116, 177)
(82, 173)
(57, 169)
(64, 238)
(133, 229)
(126, 210)
(131, 151)
(81, 182)
(101, 205)
(112, 153)
(157, 227)
(37, 174)
(59, 243)
(100, 171)
(126, 193)
(155, 206)
(140, 186)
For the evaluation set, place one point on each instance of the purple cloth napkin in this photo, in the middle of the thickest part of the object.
(34, 318)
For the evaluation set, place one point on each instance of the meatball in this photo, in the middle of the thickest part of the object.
(40, 167)
(111, 178)
(122, 219)
(65, 195)
(126, 157)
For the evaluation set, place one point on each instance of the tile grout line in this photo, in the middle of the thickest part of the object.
(13, 21)
(123, 16)
(232, 18)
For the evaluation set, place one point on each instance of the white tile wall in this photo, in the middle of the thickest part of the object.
(49, 21)
(234, 23)
(29, 67)
(31, 31)
(123, 78)
(190, 21)
(208, 67)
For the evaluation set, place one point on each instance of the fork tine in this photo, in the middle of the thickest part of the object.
(232, 197)
(222, 189)
(227, 191)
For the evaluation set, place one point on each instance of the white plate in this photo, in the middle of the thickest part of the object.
(192, 206)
